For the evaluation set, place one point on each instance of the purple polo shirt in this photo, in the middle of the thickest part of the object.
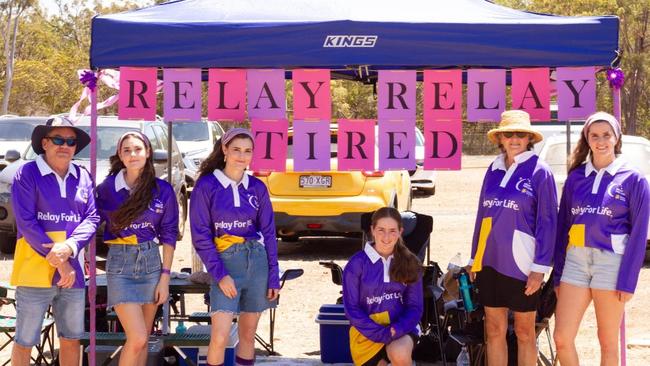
(158, 222)
(224, 213)
(608, 210)
(373, 303)
(517, 218)
(50, 209)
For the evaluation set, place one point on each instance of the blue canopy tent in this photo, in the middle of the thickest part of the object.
(409, 34)
(352, 38)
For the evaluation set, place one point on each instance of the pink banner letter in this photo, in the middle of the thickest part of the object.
(443, 142)
(356, 144)
(311, 94)
(311, 145)
(270, 154)
(486, 95)
(227, 95)
(137, 93)
(576, 93)
(396, 95)
(443, 94)
(397, 145)
(531, 92)
(266, 99)
(182, 94)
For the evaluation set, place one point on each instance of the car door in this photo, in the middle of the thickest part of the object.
(177, 158)
(160, 167)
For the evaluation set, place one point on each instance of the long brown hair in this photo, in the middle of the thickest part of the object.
(216, 159)
(582, 150)
(143, 191)
(405, 266)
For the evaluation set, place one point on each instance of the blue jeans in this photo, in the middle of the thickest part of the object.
(68, 306)
(248, 266)
(132, 273)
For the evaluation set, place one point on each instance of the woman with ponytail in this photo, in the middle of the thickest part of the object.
(382, 295)
(140, 212)
(233, 232)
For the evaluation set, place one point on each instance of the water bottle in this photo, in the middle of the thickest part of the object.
(465, 290)
(454, 263)
(463, 357)
(181, 328)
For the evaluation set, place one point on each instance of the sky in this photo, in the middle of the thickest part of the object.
(50, 5)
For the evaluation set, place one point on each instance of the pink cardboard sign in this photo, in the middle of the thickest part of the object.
(266, 98)
(443, 94)
(396, 145)
(443, 144)
(486, 95)
(396, 95)
(311, 145)
(182, 94)
(356, 144)
(270, 154)
(227, 95)
(531, 92)
(576, 93)
(137, 93)
(311, 94)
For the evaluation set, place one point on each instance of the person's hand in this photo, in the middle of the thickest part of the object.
(472, 276)
(227, 286)
(68, 275)
(392, 332)
(59, 253)
(534, 283)
(273, 294)
(162, 289)
(624, 296)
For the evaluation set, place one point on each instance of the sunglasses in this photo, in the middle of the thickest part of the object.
(59, 141)
(519, 134)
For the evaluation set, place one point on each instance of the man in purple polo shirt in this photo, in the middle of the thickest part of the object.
(56, 217)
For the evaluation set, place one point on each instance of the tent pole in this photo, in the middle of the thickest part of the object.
(92, 286)
(169, 153)
(616, 102)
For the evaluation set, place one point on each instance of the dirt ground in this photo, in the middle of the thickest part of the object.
(453, 209)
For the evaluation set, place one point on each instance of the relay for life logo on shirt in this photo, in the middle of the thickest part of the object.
(383, 297)
(616, 191)
(525, 186)
(156, 206)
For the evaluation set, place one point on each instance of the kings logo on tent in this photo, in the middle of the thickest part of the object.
(350, 41)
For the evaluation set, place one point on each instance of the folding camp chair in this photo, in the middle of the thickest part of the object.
(8, 328)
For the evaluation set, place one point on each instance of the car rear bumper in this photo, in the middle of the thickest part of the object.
(345, 223)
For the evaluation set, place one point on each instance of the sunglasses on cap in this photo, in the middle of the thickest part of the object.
(59, 141)
(519, 134)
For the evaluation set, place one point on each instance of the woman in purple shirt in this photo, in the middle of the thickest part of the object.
(233, 232)
(140, 212)
(513, 237)
(602, 231)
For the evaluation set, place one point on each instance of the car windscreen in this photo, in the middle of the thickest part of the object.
(107, 138)
(190, 131)
(16, 131)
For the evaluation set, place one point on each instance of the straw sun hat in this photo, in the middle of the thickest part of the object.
(514, 121)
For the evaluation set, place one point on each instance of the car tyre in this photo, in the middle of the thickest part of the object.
(182, 213)
(7, 243)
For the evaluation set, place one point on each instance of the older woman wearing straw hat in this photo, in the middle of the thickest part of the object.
(514, 237)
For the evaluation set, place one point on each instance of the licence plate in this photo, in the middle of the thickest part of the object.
(315, 181)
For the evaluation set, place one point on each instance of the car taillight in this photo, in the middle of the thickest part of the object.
(373, 173)
(314, 226)
(261, 174)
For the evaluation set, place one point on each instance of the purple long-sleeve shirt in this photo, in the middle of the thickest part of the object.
(608, 210)
(221, 209)
(517, 218)
(368, 291)
(158, 221)
(50, 209)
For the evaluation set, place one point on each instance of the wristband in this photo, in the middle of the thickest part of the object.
(165, 271)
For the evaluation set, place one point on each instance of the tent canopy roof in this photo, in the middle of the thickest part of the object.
(405, 34)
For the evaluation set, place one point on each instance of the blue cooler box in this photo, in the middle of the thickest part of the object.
(199, 355)
(334, 334)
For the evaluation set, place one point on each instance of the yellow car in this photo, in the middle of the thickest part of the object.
(330, 203)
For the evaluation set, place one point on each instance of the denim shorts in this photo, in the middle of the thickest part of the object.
(132, 273)
(68, 306)
(248, 266)
(591, 268)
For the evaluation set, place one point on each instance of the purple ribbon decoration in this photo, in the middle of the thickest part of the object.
(89, 79)
(616, 78)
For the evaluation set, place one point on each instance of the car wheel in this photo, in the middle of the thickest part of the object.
(7, 243)
(182, 214)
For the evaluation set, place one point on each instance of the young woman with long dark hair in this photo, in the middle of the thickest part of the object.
(141, 213)
(382, 295)
(602, 228)
(233, 232)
